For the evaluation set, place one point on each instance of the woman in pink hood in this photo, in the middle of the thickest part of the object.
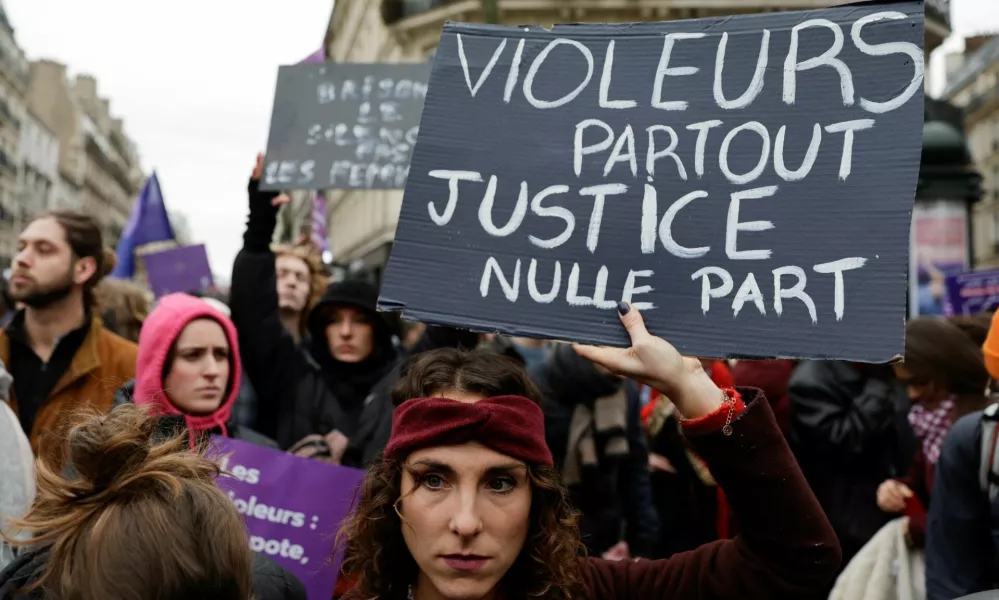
(188, 370)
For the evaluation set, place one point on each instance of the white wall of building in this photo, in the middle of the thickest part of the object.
(39, 165)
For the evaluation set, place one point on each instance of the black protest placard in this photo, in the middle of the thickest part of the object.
(747, 182)
(344, 126)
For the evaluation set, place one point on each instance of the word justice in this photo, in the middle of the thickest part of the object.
(652, 228)
(793, 65)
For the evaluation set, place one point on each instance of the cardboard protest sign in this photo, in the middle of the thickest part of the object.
(292, 506)
(344, 126)
(972, 293)
(183, 269)
(745, 181)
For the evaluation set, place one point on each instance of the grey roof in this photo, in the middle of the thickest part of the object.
(979, 61)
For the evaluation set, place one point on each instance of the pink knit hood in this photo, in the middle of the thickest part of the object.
(159, 333)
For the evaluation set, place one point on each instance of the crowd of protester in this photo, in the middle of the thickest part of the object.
(492, 463)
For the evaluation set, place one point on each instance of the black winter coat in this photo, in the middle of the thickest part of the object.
(293, 398)
(271, 581)
(850, 431)
(616, 496)
(962, 535)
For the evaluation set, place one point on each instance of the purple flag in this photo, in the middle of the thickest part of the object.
(182, 270)
(149, 222)
(319, 234)
(292, 507)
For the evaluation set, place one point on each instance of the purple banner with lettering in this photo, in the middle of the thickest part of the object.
(975, 292)
(183, 270)
(292, 507)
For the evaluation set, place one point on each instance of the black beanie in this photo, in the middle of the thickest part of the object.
(352, 292)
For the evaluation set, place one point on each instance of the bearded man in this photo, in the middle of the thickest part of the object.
(58, 351)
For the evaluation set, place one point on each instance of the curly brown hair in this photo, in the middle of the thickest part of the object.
(127, 303)
(375, 552)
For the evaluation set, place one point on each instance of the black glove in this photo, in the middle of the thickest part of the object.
(262, 220)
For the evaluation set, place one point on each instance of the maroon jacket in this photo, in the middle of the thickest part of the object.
(786, 547)
(772, 377)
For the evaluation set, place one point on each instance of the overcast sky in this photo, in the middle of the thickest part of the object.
(194, 81)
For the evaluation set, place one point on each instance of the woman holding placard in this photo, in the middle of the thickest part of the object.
(465, 502)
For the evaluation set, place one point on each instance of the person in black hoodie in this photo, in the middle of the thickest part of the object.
(139, 517)
(330, 400)
(594, 430)
(352, 346)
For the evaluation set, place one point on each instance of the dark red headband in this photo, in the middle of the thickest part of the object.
(510, 425)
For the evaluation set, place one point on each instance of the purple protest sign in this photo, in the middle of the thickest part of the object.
(292, 507)
(183, 269)
(975, 292)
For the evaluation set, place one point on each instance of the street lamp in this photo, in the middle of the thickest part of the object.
(490, 11)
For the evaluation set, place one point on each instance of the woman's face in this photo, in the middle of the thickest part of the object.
(465, 515)
(921, 391)
(350, 335)
(198, 377)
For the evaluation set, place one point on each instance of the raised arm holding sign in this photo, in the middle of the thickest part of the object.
(746, 182)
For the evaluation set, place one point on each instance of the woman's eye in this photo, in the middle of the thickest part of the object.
(501, 484)
(433, 482)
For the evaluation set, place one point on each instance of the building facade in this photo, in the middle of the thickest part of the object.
(99, 170)
(13, 85)
(973, 85)
(362, 223)
(39, 172)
